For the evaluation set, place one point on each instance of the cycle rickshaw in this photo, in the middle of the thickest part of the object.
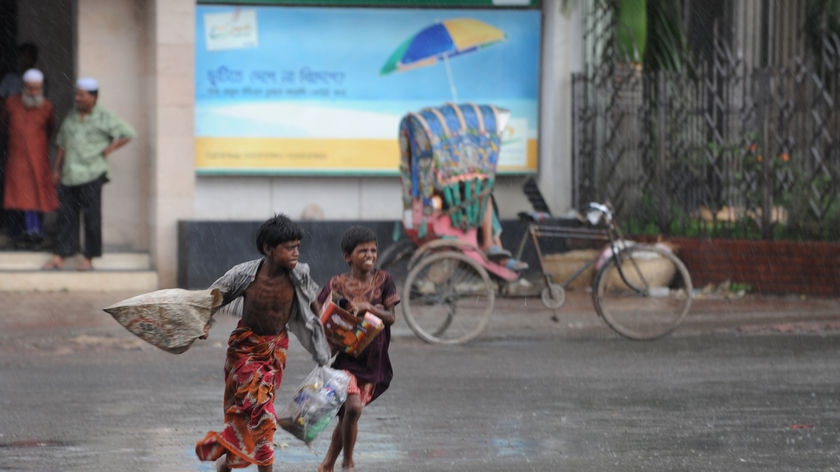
(449, 156)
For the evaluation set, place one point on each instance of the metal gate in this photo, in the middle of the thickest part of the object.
(744, 144)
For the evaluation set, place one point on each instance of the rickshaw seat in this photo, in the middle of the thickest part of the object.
(535, 196)
(541, 213)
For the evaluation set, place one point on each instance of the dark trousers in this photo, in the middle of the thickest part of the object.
(15, 223)
(80, 200)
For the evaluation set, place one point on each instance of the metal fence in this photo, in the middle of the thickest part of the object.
(732, 149)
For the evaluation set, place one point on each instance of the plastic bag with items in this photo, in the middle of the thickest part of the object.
(316, 401)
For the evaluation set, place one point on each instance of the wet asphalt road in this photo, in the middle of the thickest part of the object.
(79, 393)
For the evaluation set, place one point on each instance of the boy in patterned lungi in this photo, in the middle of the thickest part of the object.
(276, 293)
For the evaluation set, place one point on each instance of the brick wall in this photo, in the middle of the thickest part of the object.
(772, 267)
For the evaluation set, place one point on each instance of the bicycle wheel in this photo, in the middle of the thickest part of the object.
(553, 296)
(447, 298)
(394, 259)
(648, 298)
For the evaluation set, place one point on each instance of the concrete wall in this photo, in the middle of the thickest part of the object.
(562, 55)
(171, 98)
(112, 40)
(207, 249)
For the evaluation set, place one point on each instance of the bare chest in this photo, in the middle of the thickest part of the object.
(268, 304)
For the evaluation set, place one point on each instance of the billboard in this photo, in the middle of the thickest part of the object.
(304, 90)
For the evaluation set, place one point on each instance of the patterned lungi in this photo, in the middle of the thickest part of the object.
(253, 371)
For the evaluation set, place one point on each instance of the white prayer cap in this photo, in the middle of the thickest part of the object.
(33, 76)
(88, 84)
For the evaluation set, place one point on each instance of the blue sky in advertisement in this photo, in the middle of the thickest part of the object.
(317, 72)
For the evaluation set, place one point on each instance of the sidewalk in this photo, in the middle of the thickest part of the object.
(520, 317)
(709, 313)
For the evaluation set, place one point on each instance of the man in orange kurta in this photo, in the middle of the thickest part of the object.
(29, 186)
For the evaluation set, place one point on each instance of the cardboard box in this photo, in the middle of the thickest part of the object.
(346, 332)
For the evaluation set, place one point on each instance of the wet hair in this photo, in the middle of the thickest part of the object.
(277, 230)
(354, 236)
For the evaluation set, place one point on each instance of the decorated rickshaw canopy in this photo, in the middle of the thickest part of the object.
(441, 146)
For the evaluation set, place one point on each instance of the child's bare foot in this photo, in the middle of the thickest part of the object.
(348, 468)
(323, 468)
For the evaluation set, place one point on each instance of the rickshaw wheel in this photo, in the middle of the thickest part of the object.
(447, 298)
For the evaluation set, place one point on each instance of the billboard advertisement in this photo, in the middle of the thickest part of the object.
(304, 90)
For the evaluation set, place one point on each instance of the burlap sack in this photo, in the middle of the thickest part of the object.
(656, 270)
(563, 265)
(171, 319)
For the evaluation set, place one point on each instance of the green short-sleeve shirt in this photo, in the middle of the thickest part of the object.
(83, 142)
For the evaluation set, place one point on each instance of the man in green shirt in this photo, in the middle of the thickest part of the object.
(87, 136)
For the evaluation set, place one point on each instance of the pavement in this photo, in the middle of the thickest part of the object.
(540, 390)
(712, 311)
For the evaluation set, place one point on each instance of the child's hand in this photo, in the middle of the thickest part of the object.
(363, 307)
(355, 309)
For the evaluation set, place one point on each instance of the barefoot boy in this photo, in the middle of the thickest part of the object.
(276, 294)
(371, 290)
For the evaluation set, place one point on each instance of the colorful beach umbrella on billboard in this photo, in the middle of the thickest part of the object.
(440, 42)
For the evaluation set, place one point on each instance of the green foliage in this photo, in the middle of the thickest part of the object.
(631, 36)
(739, 286)
(667, 47)
(651, 33)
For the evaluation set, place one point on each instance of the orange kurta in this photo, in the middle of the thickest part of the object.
(29, 184)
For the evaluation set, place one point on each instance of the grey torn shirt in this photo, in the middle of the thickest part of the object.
(303, 323)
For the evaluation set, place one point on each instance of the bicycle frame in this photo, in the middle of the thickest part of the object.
(595, 214)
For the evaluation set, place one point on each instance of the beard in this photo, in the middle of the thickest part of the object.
(32, 102)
